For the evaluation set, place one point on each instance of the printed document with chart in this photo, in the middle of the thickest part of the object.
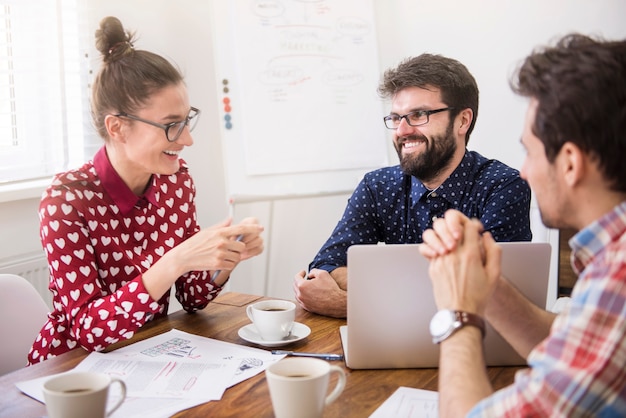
(170, 372)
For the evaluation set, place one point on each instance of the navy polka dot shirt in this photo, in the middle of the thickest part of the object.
(391, 207)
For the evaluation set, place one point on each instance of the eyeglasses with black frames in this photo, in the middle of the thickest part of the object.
(173, 129)
(415, 118)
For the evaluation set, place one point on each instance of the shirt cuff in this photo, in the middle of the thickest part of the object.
(328, 267)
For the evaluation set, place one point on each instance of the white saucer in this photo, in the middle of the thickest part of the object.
(298, 332)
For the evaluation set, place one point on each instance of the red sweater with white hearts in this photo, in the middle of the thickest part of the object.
(99, 238)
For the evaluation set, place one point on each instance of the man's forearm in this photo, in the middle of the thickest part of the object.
(519, 321)
(340, 274)
(463, 379)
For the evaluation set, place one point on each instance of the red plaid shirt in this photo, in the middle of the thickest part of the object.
(580, 368)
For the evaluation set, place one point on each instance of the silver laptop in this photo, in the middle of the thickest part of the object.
(390, 304)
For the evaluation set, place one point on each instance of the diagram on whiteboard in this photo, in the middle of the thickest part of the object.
(302, 78)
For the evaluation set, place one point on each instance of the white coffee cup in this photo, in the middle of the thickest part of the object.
(273, 319)
(80, 395)
(299, 385)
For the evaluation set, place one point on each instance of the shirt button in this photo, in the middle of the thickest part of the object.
(433, 194)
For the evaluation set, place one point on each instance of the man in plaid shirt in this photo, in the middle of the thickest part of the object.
(575, 142)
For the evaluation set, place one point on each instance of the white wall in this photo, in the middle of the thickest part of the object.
(489, 36)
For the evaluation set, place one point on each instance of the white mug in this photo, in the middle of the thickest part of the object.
(299, 385)
(80, 394)
(273, 319)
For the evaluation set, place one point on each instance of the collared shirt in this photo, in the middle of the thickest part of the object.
(99, 238)
(391, 207)
(580, 368)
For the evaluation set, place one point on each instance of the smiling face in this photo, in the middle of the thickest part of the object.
(140, 150)
(429, 152)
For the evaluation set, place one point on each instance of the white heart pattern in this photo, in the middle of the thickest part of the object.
(98, 245)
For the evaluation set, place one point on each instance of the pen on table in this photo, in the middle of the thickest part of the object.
(325, 356)
(217, 272)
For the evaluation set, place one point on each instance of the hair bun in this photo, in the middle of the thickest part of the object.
(112, 40)
(120, 48)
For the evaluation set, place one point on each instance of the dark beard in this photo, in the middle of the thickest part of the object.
(435, 159)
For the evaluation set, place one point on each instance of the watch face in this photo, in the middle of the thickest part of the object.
(441, 323)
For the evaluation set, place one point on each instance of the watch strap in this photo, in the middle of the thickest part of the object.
(466, 318)
(461, 319)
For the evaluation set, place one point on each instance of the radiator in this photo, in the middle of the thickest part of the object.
(32, 268)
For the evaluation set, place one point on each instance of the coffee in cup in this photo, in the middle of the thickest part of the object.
(273, 319)
(298, 386)
(80, 394)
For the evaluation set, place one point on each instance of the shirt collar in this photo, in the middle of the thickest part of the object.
(121, 194)
(452, 189)
(590, 241)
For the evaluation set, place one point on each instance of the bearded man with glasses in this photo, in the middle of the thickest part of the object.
(434, 105)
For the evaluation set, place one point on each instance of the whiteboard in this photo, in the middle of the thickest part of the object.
(297, 83)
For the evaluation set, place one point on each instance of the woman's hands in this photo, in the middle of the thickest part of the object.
(213, 248)
(218, 247)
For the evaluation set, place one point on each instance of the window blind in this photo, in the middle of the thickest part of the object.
(44, 94)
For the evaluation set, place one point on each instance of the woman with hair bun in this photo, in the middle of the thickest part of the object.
(119, 231)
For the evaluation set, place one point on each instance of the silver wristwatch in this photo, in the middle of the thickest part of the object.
(446, 322)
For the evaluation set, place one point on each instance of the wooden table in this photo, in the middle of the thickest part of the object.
(365, 389)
